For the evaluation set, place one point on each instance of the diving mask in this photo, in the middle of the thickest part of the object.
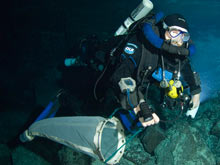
(176, 35)
(179, 35)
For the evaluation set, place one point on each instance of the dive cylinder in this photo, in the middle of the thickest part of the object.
(142, 10)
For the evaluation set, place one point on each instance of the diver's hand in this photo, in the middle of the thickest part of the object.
(155, 120)
(196, 102)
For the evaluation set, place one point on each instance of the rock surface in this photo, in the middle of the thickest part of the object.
(152, 137)
(68, 156)
(184, 145)
(22, 156)
(216, 129)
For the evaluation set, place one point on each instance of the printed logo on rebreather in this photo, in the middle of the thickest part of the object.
(129, 50)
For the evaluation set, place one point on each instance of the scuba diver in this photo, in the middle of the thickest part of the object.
(156, 49)
(158, 53)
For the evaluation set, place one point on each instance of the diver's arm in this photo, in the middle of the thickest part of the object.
(130, 58)
(193, 80)
(152, 36)
(195, 100)
(125, 70)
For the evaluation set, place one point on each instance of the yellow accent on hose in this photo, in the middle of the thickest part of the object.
(173, 91)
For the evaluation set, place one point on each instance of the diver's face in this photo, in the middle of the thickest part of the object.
(174, 36)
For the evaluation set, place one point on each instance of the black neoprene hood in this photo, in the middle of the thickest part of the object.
(176, 20)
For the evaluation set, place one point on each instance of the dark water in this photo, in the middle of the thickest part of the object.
(36, 36)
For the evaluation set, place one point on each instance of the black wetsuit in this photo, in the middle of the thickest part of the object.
(140, 58)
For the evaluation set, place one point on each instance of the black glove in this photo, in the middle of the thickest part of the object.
(145, 112)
